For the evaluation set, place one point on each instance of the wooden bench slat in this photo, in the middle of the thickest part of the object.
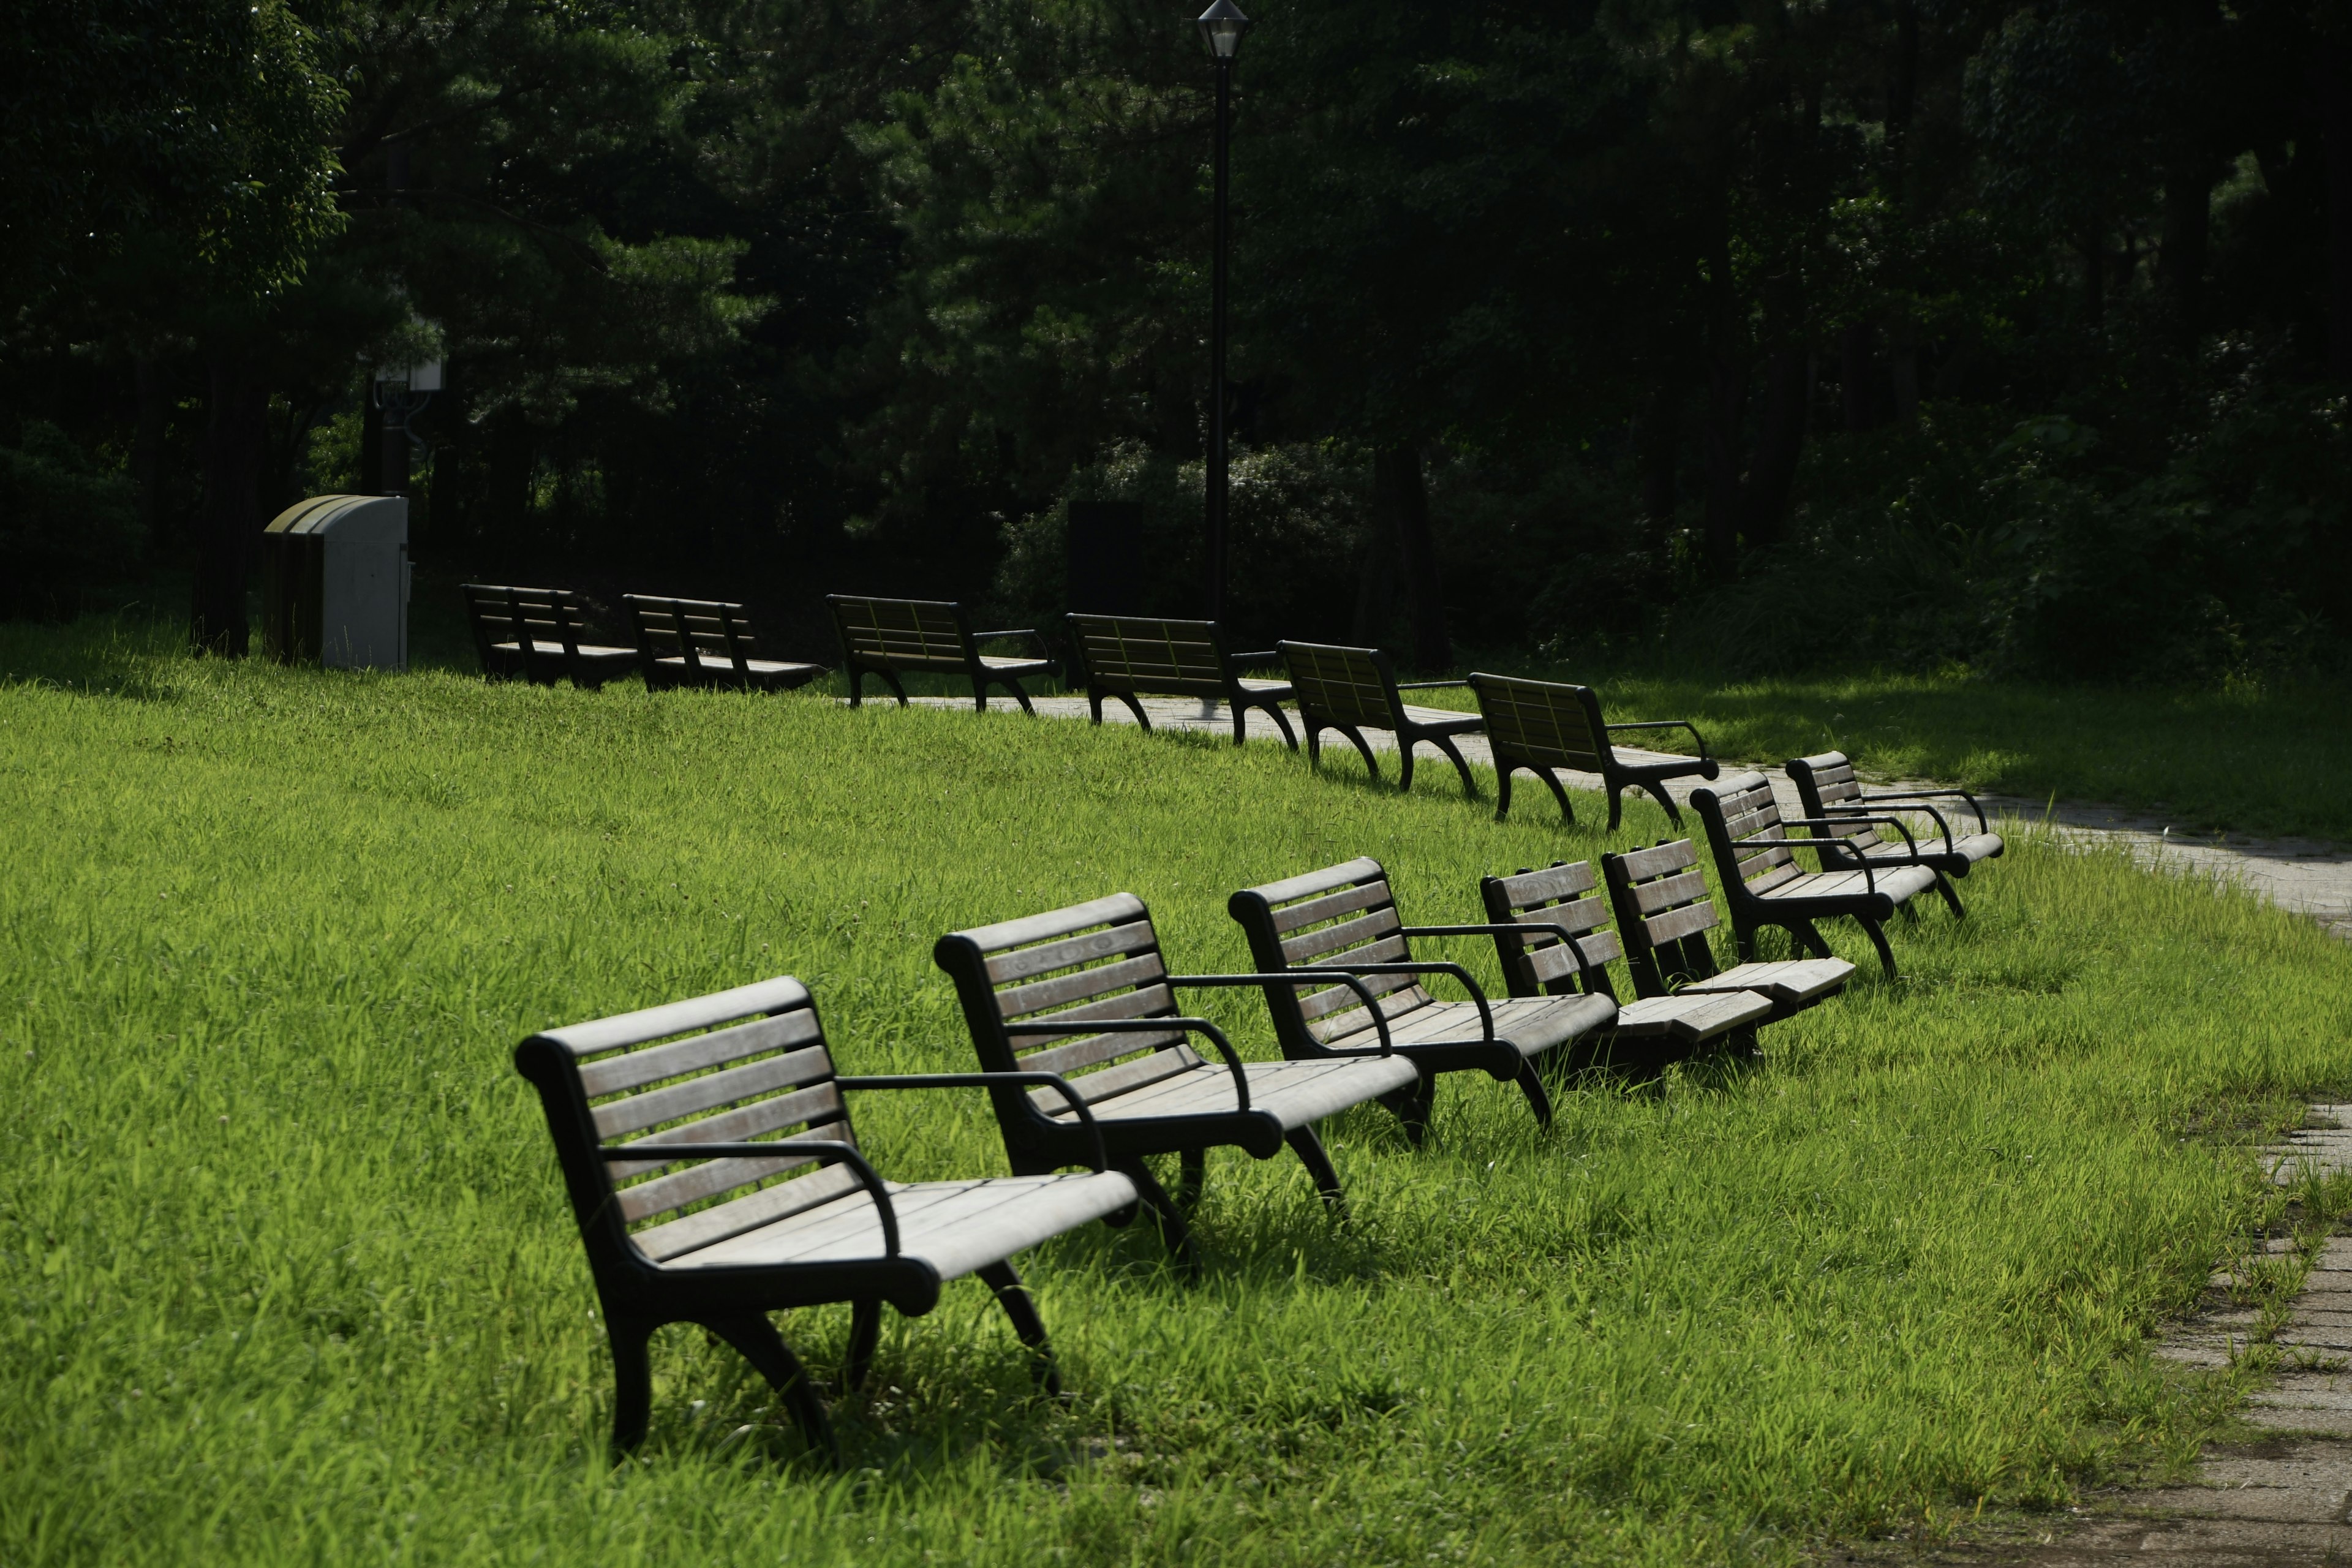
(648, 1065)
(1330, 906)
(1669, 893)
(1119, 909)
(1019, 1001)
(1346, 935)
(618, 1118)
(768, 1205)
(1069, 1056)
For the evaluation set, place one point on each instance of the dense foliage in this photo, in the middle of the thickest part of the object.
(2023, 325)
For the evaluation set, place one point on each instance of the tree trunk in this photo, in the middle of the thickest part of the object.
(1376, 585)
(1658, 447)
(1398, 493)
(147, 447)
(235, 429)
(2332, 86)
(1780, 441)
(1726, 418)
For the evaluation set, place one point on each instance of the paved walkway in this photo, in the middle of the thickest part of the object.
(2297, 874)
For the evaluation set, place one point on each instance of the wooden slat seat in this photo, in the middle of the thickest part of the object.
(1343, 920)
(716, 1176)
(1085, 992)
(1543, 725)
(1133, 657)
(1352, 690)
(1827, 788)
(707, 643)
(1663, 906)
(1553, 937)
(891, 637)
(538, 634)
(1764, 885)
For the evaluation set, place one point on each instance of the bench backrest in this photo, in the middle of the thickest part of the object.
(739, 1066)
(1826, 782)
(1563, 894)
(1090, 961)
(708, 634)
(902, 634)
(1141, 653)
(1354, 686)
(1738, 807)
(523, 617)
(1542, 721)
(1664, 912)
(1340, 915)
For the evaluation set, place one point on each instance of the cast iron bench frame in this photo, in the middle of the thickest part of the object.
(891, 637)
(706, 643)
(535, 634)
(1540, 725)
(1352, 689)
(761, 1065)
(1131, 657)
(1828, 787)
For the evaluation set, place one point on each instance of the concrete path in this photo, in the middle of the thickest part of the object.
(2301, 874)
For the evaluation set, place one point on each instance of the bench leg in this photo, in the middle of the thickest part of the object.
(1173, 1232)
(1309, 1150)
(1559, 793)
(1616, 788)
(756, 1339)
(1404, 764)
(1192, 1174)
(865, 1334)
(1412, 1107)
(1503, 772)
(980, 694)
(1001, 1278)
(1366, 748)
(1878, 941)
(632, 1375)
(1531, 1084)
(1951, 896)
(890, 678)
(1809, 937)
(1134, 707)
(1094, 704)
(1469, 783)
(1273, 711)
(1658, 792)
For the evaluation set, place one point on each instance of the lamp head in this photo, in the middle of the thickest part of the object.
(1222, 26)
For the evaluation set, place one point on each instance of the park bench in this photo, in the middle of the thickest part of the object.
(1343, 920)
(891, 638)
(1828, 789)
(1663, 908)
(1352, 690)
(707, 643)
(1540, 725)
(716, 1177)
(535, 634)
(1553, 938)
(1764, 885)
(1133, 657)
(1085, 992)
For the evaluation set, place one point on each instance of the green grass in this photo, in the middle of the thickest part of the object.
(285, 1275)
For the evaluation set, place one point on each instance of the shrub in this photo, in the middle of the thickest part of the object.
(68, 521)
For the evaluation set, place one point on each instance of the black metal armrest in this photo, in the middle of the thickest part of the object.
(1945, 828)
(1151, 1027)
(646, 1151)
(1584, 974)
(1036, 637)
(1668, 724)
(1418, 966)
(1427, 685)
(1270, 656)
(988, 1081)
(1292, 977)
(1974, 804)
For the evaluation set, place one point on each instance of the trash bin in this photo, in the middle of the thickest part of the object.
(334, 582)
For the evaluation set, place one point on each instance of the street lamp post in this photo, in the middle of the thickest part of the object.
(1222, 26)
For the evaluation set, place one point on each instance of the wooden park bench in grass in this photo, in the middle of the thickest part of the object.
(1352, 690)
(1553, 937)
(1828, 789)
(1342, 921)
(1764, 885)
(716, 1178)
(1084, 992)
(1133, 657)
(891, 638)
(1540, 725)
(536, 635)
(707, 643)
(1661, 900)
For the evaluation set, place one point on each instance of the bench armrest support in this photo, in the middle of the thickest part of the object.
(825, 1150)
(1704, 754)
(1584, 974)
(1974, 804)
(1422, 966)
(1055, 1081)
(1151, 1027)
(1427, 685)
(1851, 812)
(1035, 636)
(1292, 977)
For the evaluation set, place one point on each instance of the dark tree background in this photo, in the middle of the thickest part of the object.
(2020, 332)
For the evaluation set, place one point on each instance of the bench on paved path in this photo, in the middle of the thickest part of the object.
(891, 638)
(1827, 788)
(1085, 992)
(1764, 885)
(1352, 690)
(535, 635)
(716, 1177)
(1554, 939)
(707, 643)
(1540, 725)
(1343, 920)
(1133, 657)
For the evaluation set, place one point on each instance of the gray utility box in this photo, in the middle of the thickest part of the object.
(334, 582)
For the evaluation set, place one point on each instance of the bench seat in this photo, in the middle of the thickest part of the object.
(1851, 818)
(1530, 1026)
(956, 1227)
(1894, 884)
(1295, 1094)
(1542, 726)
(1352, 690)
(1788, 980)
(1690, 1017)
(534, 634)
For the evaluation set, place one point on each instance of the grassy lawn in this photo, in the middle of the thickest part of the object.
(288, 1277)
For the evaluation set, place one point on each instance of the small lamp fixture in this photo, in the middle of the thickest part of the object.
(1222, 26)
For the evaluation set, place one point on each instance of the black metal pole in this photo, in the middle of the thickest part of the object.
(1217, 354)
